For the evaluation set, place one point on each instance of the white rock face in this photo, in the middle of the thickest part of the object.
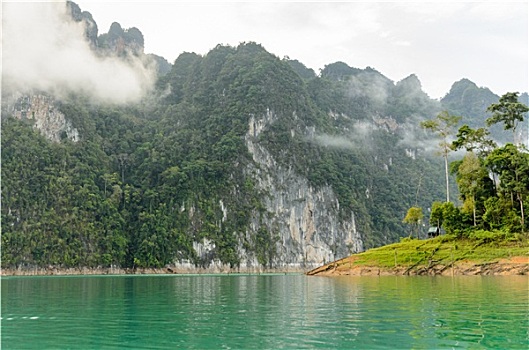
(46, 117)
(306, 218)
(412, 153)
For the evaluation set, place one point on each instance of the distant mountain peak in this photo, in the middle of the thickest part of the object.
(119, 41)
(78, 15)
(464, 83)
(338, 71)
(411, 82)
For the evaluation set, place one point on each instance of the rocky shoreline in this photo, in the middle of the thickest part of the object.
(344, 267)
(503, 267)
(58, 271)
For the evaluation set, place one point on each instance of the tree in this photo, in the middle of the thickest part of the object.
(436, 215)
(512, 166)
(507, 111)
(414, 218)
(470, 173)
(442, 126)
(473, 140)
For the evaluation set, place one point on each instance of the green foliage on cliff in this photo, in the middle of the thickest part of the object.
(147, 182)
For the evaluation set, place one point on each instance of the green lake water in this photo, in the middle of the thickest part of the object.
(264, 312)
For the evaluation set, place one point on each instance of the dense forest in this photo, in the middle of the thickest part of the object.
(145, 182)
(493, 180)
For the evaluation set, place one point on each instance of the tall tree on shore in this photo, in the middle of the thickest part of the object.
(442, 126)
(474, 140)
(508, 111)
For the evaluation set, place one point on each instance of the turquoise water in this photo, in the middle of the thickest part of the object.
(264, 312)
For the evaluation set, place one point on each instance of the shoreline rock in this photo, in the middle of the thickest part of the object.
(502, 267)
(344, 267)
(170, 270)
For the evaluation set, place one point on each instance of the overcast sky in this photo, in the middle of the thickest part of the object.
(486, 42)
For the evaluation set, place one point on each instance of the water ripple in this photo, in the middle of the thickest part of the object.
(264, 312)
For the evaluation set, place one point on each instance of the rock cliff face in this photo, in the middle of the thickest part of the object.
(90, 25)
(45, 114)
(303, 220)
(120, 42)
(306, 218)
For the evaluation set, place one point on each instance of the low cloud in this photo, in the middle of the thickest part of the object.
(45, 50)
(369, 85)
(359, 137)
(414, 137)
(332, 141)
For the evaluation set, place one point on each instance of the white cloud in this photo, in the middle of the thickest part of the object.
(496, 11)
(402, 43)
(43, 49)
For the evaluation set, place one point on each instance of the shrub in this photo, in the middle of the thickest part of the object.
(483, 236)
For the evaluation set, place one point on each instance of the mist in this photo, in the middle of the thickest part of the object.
(369, 85)
(45, 50)
(414, 137)
(358, 138)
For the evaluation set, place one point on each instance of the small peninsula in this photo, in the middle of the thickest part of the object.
(489, 254)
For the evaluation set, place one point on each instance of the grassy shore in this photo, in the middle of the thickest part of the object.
(480, 253)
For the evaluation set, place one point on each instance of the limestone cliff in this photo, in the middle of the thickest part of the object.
(310, 232)
(121, 42)
(43, 111)
(304, 220)
(86, 18)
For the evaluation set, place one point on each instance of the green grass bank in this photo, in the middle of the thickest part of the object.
(480, 252)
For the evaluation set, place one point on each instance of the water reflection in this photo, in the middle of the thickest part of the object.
(273, 311)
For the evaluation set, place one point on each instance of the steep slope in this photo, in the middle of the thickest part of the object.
(244, 91)
(237, 160)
